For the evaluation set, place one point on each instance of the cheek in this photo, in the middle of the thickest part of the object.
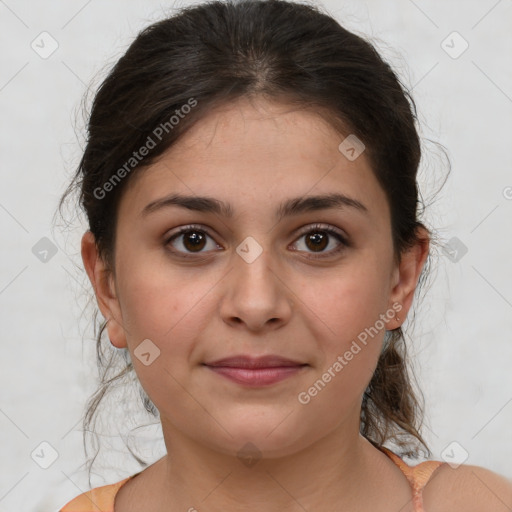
(161, 305)
(348, 301)
(349, 335)
(165, 304)
(155, 294)
(345, 318)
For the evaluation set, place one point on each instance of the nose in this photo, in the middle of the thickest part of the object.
(256, 295)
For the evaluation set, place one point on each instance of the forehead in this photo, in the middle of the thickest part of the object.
(262, 151)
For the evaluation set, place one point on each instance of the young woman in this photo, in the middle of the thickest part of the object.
(255, 246)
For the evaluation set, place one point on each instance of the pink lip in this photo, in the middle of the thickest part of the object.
(258, 371)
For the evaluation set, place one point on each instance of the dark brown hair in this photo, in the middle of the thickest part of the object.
(213, 54)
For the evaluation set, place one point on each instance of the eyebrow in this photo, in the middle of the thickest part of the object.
(289, 207)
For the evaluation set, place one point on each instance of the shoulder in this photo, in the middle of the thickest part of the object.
(99, 499)
(467, 488)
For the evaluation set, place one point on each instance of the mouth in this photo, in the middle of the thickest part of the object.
(256, 371)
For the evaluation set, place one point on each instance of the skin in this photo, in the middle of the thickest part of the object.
(254, 155)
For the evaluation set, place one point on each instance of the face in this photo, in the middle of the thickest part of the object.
(275, 275)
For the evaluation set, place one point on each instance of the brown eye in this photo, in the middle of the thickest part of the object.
(318, 238)
(318, 241)
(191, 240)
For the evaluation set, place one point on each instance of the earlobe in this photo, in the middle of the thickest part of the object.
(102, 282)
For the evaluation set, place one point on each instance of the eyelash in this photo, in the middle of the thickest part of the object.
(309, 229)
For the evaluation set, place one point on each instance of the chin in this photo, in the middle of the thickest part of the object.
(255, 439)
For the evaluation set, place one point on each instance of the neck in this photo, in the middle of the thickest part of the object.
(199, 478)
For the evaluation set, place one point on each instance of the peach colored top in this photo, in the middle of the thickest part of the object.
(101, 499)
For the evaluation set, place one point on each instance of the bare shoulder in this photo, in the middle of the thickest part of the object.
(467, 489)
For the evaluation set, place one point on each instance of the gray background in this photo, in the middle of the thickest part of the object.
(461, 344)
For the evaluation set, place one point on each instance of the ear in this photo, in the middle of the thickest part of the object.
(104, 288)
(405, 277)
